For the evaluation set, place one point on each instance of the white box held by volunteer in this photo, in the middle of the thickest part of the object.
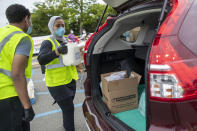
(73, 56)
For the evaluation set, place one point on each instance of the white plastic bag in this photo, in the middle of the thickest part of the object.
(116, 76)
(73, 56)
(31, 91)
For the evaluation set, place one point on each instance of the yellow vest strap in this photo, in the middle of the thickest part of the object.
(60, 58)
(54, 41)
(6, 39)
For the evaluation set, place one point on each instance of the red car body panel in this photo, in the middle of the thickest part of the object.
(176, 115)
(173, 116)
(163, 115)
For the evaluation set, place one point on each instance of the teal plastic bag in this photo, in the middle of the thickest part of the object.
(142, 104)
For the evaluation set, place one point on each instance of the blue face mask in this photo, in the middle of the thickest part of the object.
(60, 31)
(29, 30)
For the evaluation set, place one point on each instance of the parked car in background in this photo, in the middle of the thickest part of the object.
(161, 47)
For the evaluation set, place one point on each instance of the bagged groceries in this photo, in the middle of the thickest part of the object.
(73, 56)
(116, 76)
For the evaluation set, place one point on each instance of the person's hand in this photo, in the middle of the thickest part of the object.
(29, 114)
(62, 49)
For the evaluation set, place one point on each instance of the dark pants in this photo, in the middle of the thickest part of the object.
(64, 96)
(11, 114)
(67, 107)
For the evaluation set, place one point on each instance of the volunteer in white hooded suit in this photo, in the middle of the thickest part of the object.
(60, 79)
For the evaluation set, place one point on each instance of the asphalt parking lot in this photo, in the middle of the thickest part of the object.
(48, 117)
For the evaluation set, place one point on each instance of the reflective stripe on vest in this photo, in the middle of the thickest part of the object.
(8, 73)
(6, 39)
(2, 44)
(5, 72)
(60, 57)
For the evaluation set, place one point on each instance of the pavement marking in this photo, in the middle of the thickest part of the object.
(32, 72)
(80, 91)
(47, 113)
(54, 111)
(46, 93)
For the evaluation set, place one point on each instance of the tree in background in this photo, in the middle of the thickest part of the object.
(43, 13)
(80, 7)
(77, 14)
(93, 15)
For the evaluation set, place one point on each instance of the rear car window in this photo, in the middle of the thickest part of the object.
(188, 31)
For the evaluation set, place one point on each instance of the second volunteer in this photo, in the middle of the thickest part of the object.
(60, 79)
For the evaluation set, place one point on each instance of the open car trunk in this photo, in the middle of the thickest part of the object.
(112, 52)
(122, 5)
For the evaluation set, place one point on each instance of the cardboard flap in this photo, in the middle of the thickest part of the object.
(137, 76)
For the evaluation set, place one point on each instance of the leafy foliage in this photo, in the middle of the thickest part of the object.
(77, 14)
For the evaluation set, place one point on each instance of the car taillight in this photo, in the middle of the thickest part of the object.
(172, 67)
(165, 86)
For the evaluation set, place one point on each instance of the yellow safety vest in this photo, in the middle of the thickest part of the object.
(10, 36)
(57, 73)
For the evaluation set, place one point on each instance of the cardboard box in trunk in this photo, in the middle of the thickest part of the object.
(134, 34)
(121, 95)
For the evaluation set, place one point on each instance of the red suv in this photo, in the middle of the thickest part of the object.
(158, 40)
